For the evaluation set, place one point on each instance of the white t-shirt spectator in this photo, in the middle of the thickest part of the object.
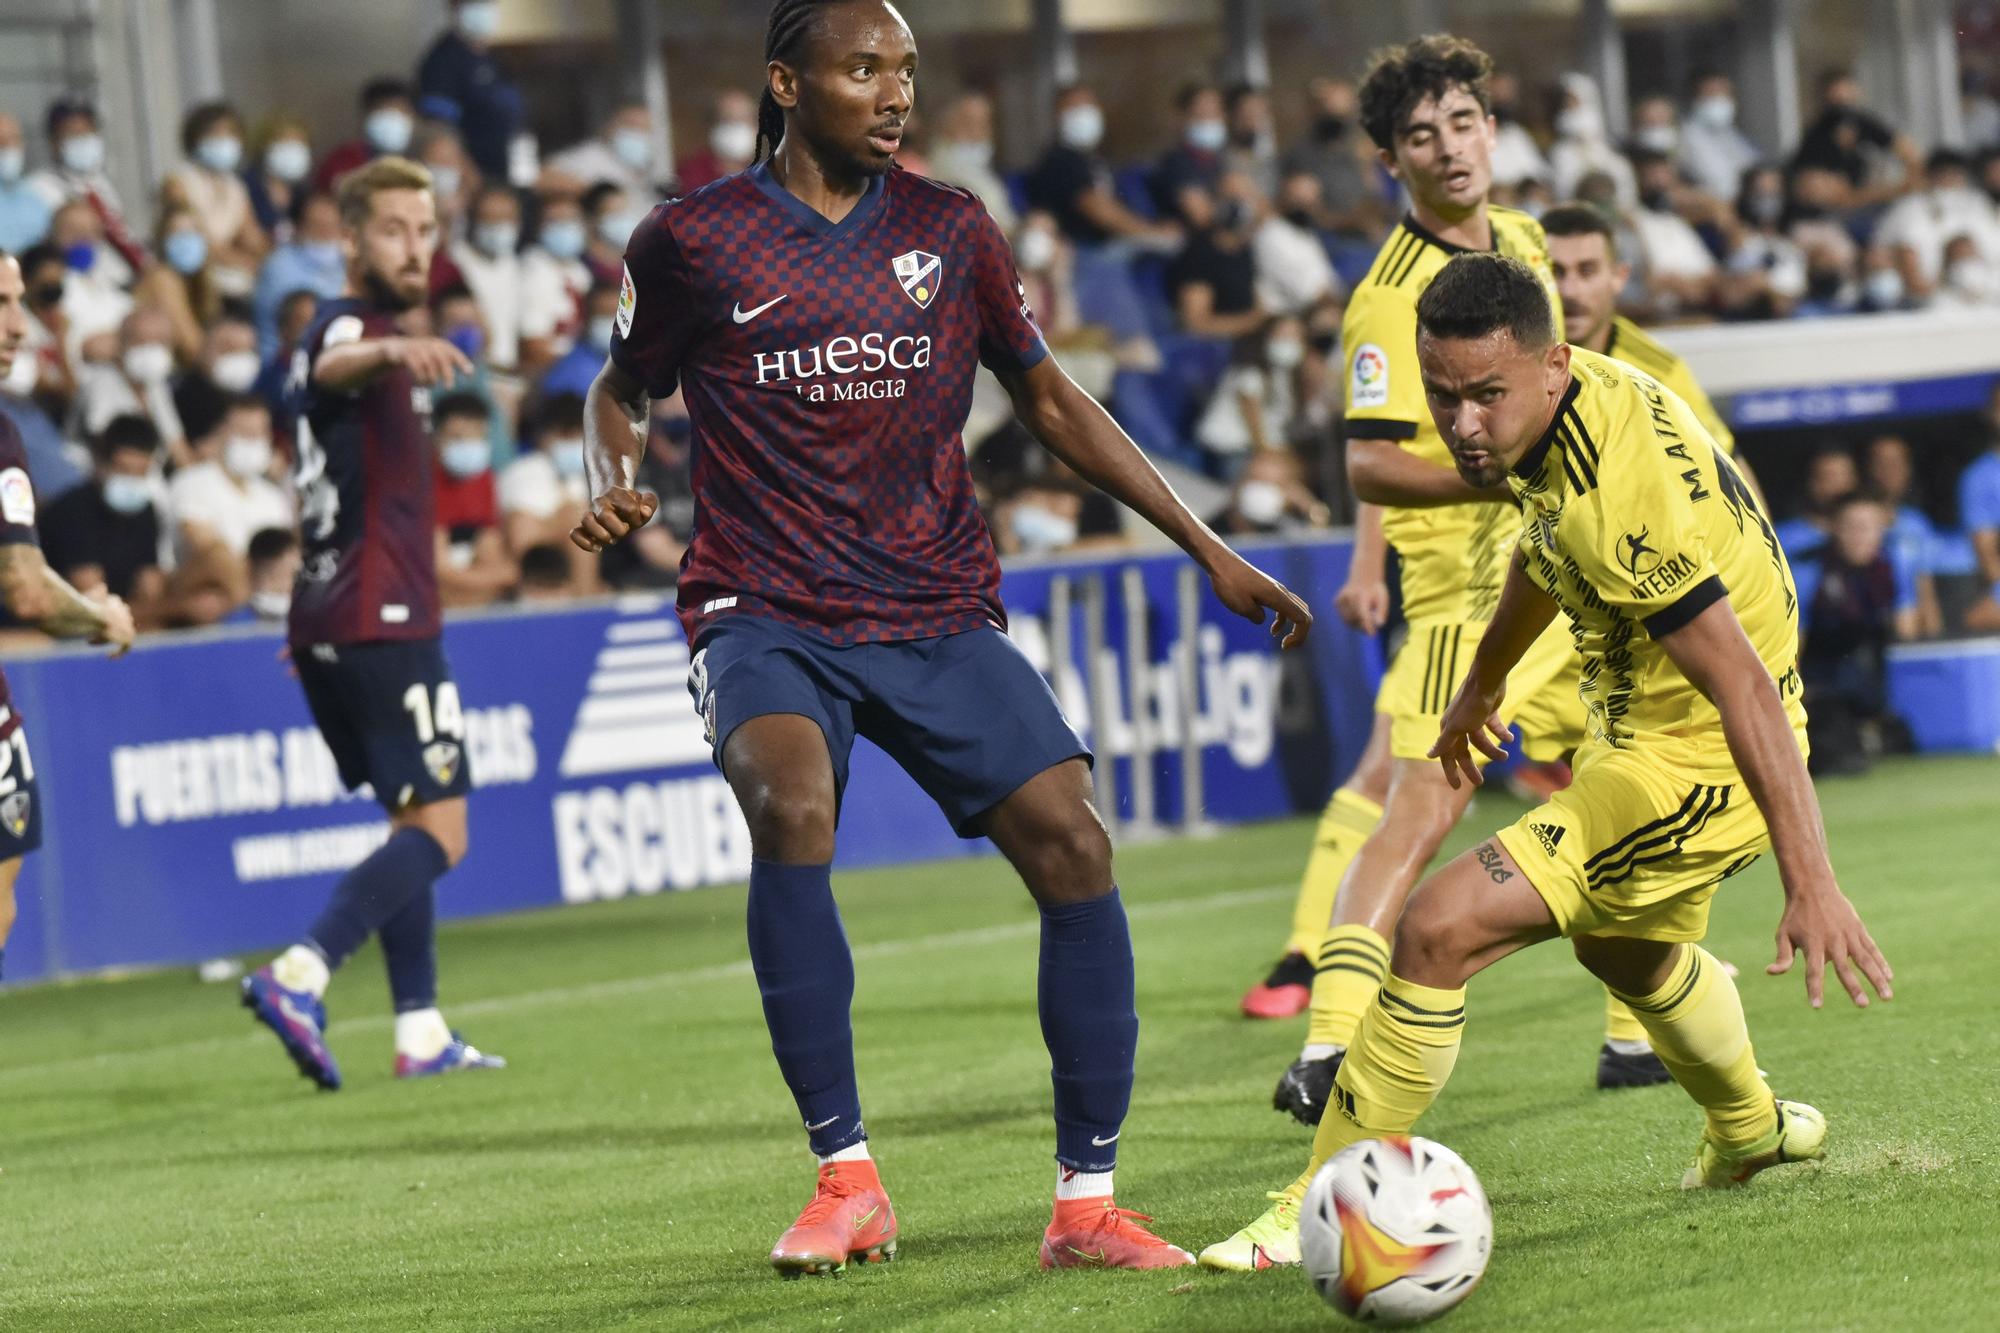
(593, 161)
(207, 494)
(103, 392)
(1293, 271)
(1672, 248)
(522, 296)
(531, 485)
(1223, 427)
(1715, 159)
(552, 292)
(1926, 222)
(92, 303)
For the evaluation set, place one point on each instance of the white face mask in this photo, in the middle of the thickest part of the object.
(1040, 529)
(271, 605)
(479, 20)
(1036, 250)
(235, 371)
(246, 456)
(149, 363)
(13, 161)
(1082, 127)
(633, 147)
(1209, 136)
(1262, 502)
(445, 180)
(1718, 111)
(617, 228)
(1970, 277)
(567, 455)
(1884, 288)
(83, 153)
(126, 493)
(733, 141)
(497, 240)
(1285, 353)
(1658, 138)
(288, 160)
(389, 129)
(220, 153)
(1577, 122)
(978, 156)
(466, 458)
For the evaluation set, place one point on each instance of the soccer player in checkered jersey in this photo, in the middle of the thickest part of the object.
(36, 595)
(823, 313)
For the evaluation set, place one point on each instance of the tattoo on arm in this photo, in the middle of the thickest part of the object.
(1491, 862)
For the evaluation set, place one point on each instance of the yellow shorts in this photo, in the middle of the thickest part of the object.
(1542, 697)
(1633, 847)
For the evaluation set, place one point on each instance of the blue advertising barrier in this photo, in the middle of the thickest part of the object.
(192, 810)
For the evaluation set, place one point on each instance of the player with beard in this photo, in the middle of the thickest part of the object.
(365, 626)
(35, 595)
(823, 314)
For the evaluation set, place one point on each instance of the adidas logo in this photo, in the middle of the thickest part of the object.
(1550, 836)
(636, 713)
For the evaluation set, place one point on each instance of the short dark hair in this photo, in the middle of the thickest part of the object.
(1580, 219)
(388, 89)
(1185, 98)
(129, 431)
(461, 406)
(1480, 294)
(63, 108)
(267, 544)
(247, 402)
(1947, 159)
(1399, 77)
(201, 121)
(564, 410)
(594, 197)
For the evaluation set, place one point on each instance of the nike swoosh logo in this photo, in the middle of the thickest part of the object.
(743, 316)
(862, 1220)
(289, 1010)
(822, 1124)
(1085, 1255)
(1101, 1143)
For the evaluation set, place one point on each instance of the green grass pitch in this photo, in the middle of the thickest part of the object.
(163, 1167)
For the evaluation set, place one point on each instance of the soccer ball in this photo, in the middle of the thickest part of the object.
(1395, 1230)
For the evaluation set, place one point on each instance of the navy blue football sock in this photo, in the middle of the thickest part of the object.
(3, 964)
(806, 976)
(376, 890)
(409, 947)
(1090, 1025)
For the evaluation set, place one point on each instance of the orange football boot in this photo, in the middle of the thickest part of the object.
(849, 1218)
(1097, 1233)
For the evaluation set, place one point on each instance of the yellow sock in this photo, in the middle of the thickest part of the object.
(1346, 823)
(1352, 961)
(1695, 1023)
(1401, 1057)
(1620, 1023)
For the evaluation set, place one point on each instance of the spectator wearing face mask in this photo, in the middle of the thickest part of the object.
(621, 152)
(77, 175)
(1882, 286)
(94, 299)
(1853, 144)
(731, 145)
(276, 173)
(1254, 405)
(1214, 280)
(1294, 274)
(963, 155)
(139, 383)
(1713, 151)
(1073, 180)
(555, 278)
(42, 370)
(226, 369)
(1339, 158)
(1270, 496)
(106, 535)
(1253, 136)
(181, 283)
(460, 69)
(455, 316)
(272, 564)
(388, 125)
(490, 258)
(1766, 270)
(1185, 179)
(24, 214)
(1968, 281)
(473, 566)
(312, 261)
(455, 183)
(1680, 272)
(543, 490)
(209, 186)
(1921, 227)
(226, 495)
(610, 216)
(1583, 142)
(580, 366)
(1054, 513)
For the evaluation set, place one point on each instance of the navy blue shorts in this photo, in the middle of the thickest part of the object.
(20, 794)
(966, 715)
(391, 715)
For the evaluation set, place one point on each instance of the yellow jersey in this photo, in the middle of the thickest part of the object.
(1454, 557)
(1631, 343)
(1635, 523)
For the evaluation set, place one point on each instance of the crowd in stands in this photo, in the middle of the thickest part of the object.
(1198, 292)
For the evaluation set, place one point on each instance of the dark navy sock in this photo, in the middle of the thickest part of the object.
(409, 947)
(374, 891)
(3, 964)
(806, 976)
(1091, 1026)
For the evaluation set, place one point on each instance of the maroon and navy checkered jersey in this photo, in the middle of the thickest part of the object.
(827, 370)
(17, 528)
(365, 504)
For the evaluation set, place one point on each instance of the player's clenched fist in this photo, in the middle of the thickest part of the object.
(430, 360)
(618, 513)
(117, 631)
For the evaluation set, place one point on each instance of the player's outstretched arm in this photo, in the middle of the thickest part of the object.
(1075, 428)
(38, 595)
(615, 418)
(1713, 652)
(346, 366)
(1383, 472)
(1473, 719)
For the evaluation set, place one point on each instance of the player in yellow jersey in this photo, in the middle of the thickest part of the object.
(1425, 106)
(1642, 532)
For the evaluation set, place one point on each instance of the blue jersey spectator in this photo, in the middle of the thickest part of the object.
(24, 215)
(1979, 512)
(311, 262)
(460, 69)
(579, 368)
(1830, 476)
